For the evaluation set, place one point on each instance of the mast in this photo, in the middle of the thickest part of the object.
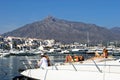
(88, 39)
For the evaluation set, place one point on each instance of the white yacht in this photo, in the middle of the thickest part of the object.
(104, 69)
(4, 53)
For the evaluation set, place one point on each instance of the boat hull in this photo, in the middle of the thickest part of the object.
(69, 75)
(105, 70)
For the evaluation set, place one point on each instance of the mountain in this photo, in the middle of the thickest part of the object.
(64, 31)
(115, 30)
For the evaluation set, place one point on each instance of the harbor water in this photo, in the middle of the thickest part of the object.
(10, 66)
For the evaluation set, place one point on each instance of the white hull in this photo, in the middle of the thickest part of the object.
(69, 75)
(4, 54)
(109, 70)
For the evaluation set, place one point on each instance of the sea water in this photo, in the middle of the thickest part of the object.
(9, 67)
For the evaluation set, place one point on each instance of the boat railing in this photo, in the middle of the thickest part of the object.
(29, 63)
(32, 63)
(96, 66)
(56, 67)
(73, 66)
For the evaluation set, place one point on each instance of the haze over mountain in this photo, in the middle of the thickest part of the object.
(65, 31)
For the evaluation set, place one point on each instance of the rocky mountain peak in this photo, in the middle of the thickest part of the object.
(49, 18)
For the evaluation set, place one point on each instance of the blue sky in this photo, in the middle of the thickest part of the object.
(16, 13)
